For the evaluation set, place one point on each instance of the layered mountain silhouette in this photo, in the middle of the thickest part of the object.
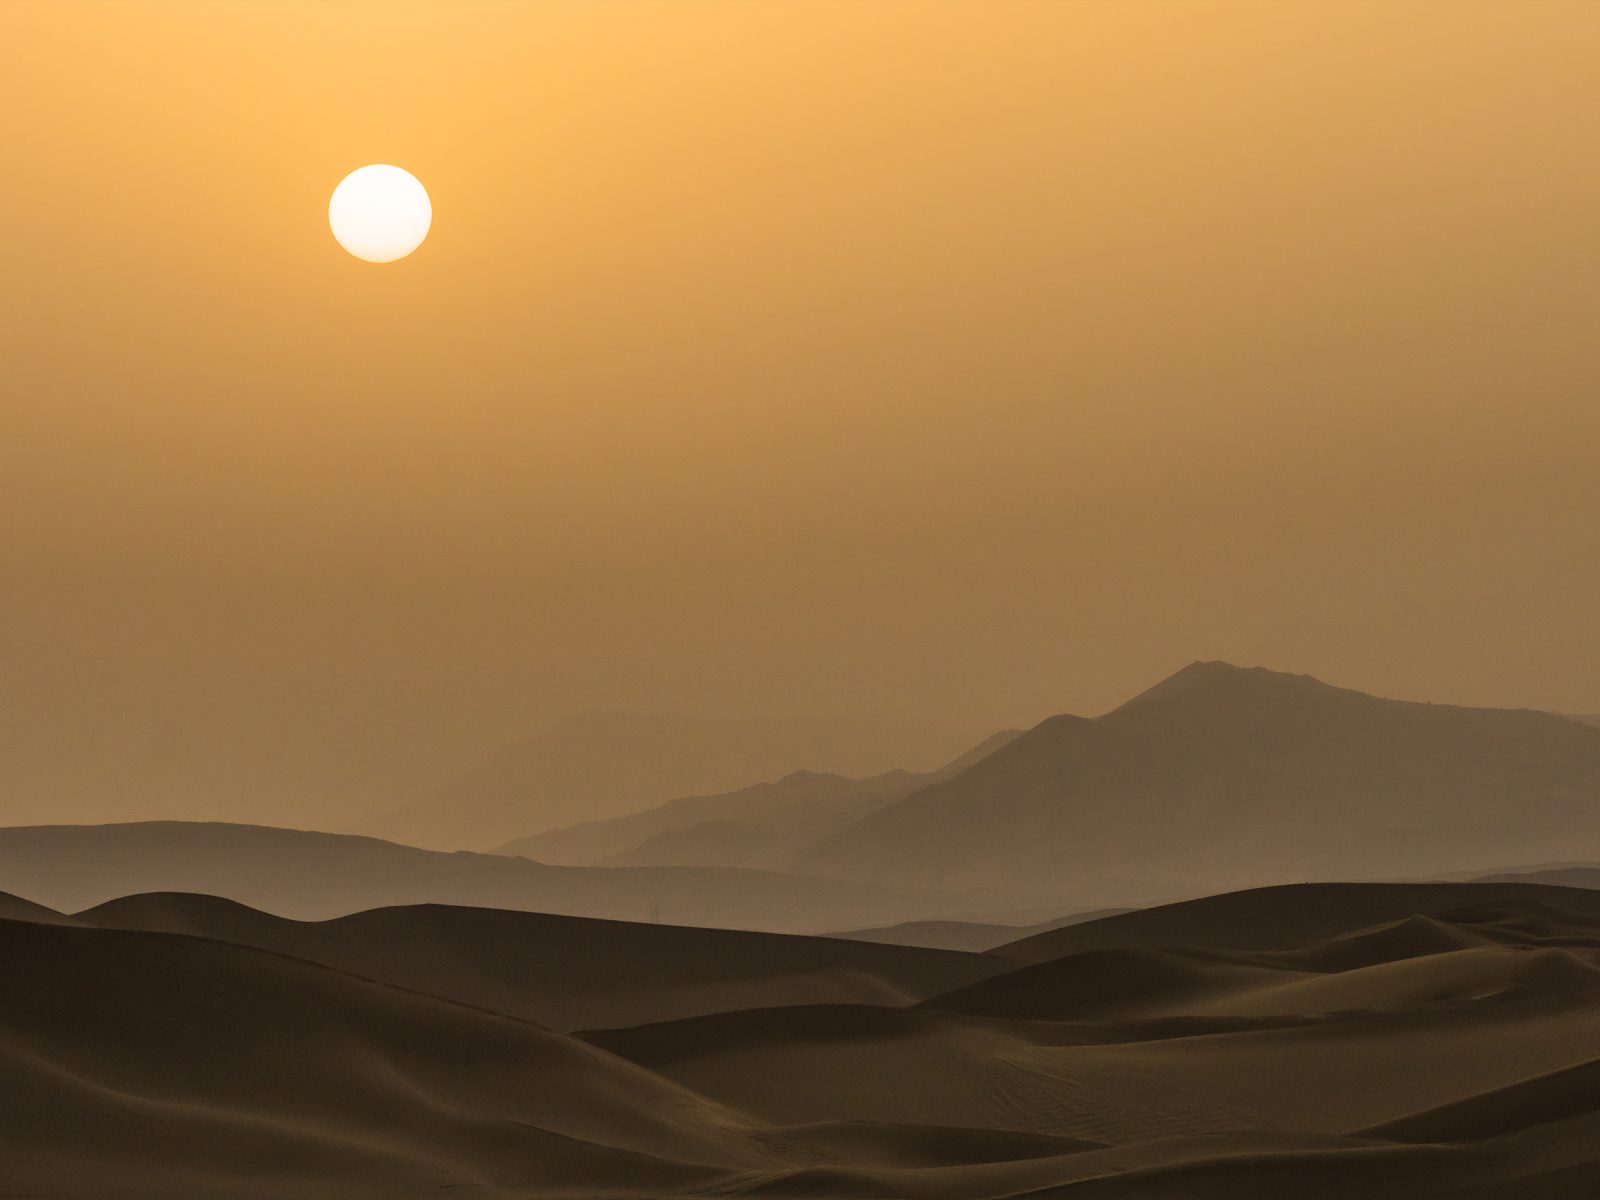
(1218, 777)
(761, 825)
(766, 825)
(598, 765)
(315, 876)
(1224, 776)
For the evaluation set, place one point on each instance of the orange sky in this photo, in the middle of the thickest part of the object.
(979, 361)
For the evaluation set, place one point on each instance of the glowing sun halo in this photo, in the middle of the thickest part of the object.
(380, 213)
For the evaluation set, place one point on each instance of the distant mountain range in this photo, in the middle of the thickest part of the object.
(1220, 776)
(762, 826)
(600, 765)
(1217, 778)
(1224, 776)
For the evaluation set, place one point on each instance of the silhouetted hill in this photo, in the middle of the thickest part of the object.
(316, 876)
(567, 972)
(1507, 949)
(602, 764)
(1586, 876)
(1271, 918)
(752, 826)
(1223, 776)
(15, 908)
(763, 826)
(969, 936)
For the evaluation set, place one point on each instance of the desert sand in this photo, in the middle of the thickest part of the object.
(1452, 1050)
(568, 972)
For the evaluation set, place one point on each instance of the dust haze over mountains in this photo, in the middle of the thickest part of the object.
(1217, 778)
(967, 367)
(608, 764)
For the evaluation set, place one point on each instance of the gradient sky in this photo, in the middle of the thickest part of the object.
(974, 361)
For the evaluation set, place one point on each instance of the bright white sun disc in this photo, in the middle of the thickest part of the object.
(380, 213)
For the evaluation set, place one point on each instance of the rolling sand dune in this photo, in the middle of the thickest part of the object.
(568, 972)
(316, 876)
(1171, 1056)
(1271, 918)
(967, 935)
(1449, 1054)
(15, 908)
(1572, 1093)
(190, 1065)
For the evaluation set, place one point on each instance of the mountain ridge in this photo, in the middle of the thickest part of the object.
(764, 825)
(607, 763)
(1279, 777)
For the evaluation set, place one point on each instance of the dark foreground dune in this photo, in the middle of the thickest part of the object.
(1270, 918)
(568, 972)
(1447, 1053)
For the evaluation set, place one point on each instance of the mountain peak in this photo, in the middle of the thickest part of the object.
(1212, 678)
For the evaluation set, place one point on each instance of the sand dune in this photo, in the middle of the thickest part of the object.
(1221, 1073)
(1272, 918)
(1112, 984)
(194, 1067)
(1444, 1054)
(972, 936)
(568, 972)
(1567, 1094)
(316, 876)
(15, 908)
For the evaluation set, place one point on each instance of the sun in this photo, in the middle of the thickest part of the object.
(380, 213)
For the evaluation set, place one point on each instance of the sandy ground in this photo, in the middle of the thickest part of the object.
(1452, 1053)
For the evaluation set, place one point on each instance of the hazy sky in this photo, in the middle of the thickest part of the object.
(977, 361)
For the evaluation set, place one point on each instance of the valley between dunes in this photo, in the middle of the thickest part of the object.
(1318, 1040)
